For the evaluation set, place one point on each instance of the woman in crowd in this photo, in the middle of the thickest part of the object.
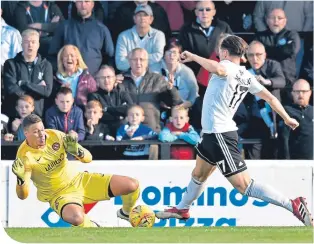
(73, 73)
(181, 76)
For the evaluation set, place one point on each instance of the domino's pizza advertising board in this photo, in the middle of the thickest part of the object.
(163, 184)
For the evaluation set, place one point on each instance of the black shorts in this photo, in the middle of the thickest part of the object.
(221, 149)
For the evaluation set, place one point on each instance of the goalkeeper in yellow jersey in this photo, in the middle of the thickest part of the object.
(42, 158)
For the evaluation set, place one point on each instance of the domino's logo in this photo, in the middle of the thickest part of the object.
(53, 220)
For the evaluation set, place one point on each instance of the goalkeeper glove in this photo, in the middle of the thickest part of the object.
(71, 146)
(18, 169)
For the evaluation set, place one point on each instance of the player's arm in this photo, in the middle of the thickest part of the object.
(80, 153)
(21, 168)
(210, 65)
(276, 105)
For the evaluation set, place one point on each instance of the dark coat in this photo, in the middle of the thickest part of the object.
(16, 70)
(194, 40)
(282, 47)
(152, 91)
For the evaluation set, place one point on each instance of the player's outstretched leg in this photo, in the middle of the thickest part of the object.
(249, 187)
(129, 190)
(195, 188)
(74, 214)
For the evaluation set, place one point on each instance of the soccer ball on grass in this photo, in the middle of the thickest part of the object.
(142, 216)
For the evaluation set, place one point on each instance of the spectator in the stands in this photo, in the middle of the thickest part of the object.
(27, 74)
(95, 129)
(24, 107)
(281, 45)
(91, 37)
(11, 41)
(298, 143)
(123, 18)
(180, 129)
(307, 66)
(298, 13)
(43, 16)
(238, 14)
(148, 89)
(180, 75)
(69, 10)
(73, 73)
(261, 124)
(8, 8)
(110, 8)
(201, 37)
(65, 115)
(268, 72)
(175, 12)
(4, 128)
(115, 102)
(136, 131)
(140, 35)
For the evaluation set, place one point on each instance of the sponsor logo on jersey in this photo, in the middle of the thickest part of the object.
(55, 163)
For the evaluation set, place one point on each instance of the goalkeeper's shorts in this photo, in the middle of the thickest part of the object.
(87, 188)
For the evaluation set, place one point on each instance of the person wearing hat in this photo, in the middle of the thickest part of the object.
(141, 35)
(123, 18)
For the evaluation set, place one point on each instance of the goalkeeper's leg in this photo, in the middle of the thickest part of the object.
(75, 215)
(129, 190)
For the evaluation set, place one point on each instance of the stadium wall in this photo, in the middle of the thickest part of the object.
(162, 184)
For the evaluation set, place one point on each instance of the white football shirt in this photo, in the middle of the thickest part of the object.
(224, 95)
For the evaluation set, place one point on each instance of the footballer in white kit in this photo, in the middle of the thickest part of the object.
(218, 146)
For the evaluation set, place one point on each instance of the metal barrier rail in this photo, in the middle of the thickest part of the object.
(164, 146)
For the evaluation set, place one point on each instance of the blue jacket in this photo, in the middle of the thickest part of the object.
(136, 150)
(73, 120)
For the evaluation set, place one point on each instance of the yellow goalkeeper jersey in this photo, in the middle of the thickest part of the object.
(50, 170)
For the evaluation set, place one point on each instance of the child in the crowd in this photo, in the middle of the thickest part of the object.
(95, 130)
(65, 116)
(135, 130)
(24, 107)
(179, 128)
(4, 127)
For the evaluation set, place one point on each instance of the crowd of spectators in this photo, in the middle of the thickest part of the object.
(111, 71)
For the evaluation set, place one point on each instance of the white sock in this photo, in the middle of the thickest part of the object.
(193, 191)
(268, 194)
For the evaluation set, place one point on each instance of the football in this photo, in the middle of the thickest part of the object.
(142, 216)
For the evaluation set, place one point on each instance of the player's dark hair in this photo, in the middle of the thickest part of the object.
(64, 90)
(30, 120)
(235, 45)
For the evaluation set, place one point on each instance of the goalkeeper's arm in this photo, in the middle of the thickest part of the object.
(23, 173)
(80, 153)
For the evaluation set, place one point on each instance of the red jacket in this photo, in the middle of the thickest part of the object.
(183, 152)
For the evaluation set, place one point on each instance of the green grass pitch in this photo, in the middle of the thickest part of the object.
(162, 235)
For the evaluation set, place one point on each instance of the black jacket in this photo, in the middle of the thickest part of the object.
(282, 47)
(23, 18)
(92, 38)
(100, 132)
(115, 105)
(271, 70)
(152, 91)
(16, 70)
(298, 143)
(123, 19)
(194, 40)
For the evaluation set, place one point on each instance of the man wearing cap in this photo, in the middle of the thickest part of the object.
(141, 35)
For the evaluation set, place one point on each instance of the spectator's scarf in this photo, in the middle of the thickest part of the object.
(71, 81)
